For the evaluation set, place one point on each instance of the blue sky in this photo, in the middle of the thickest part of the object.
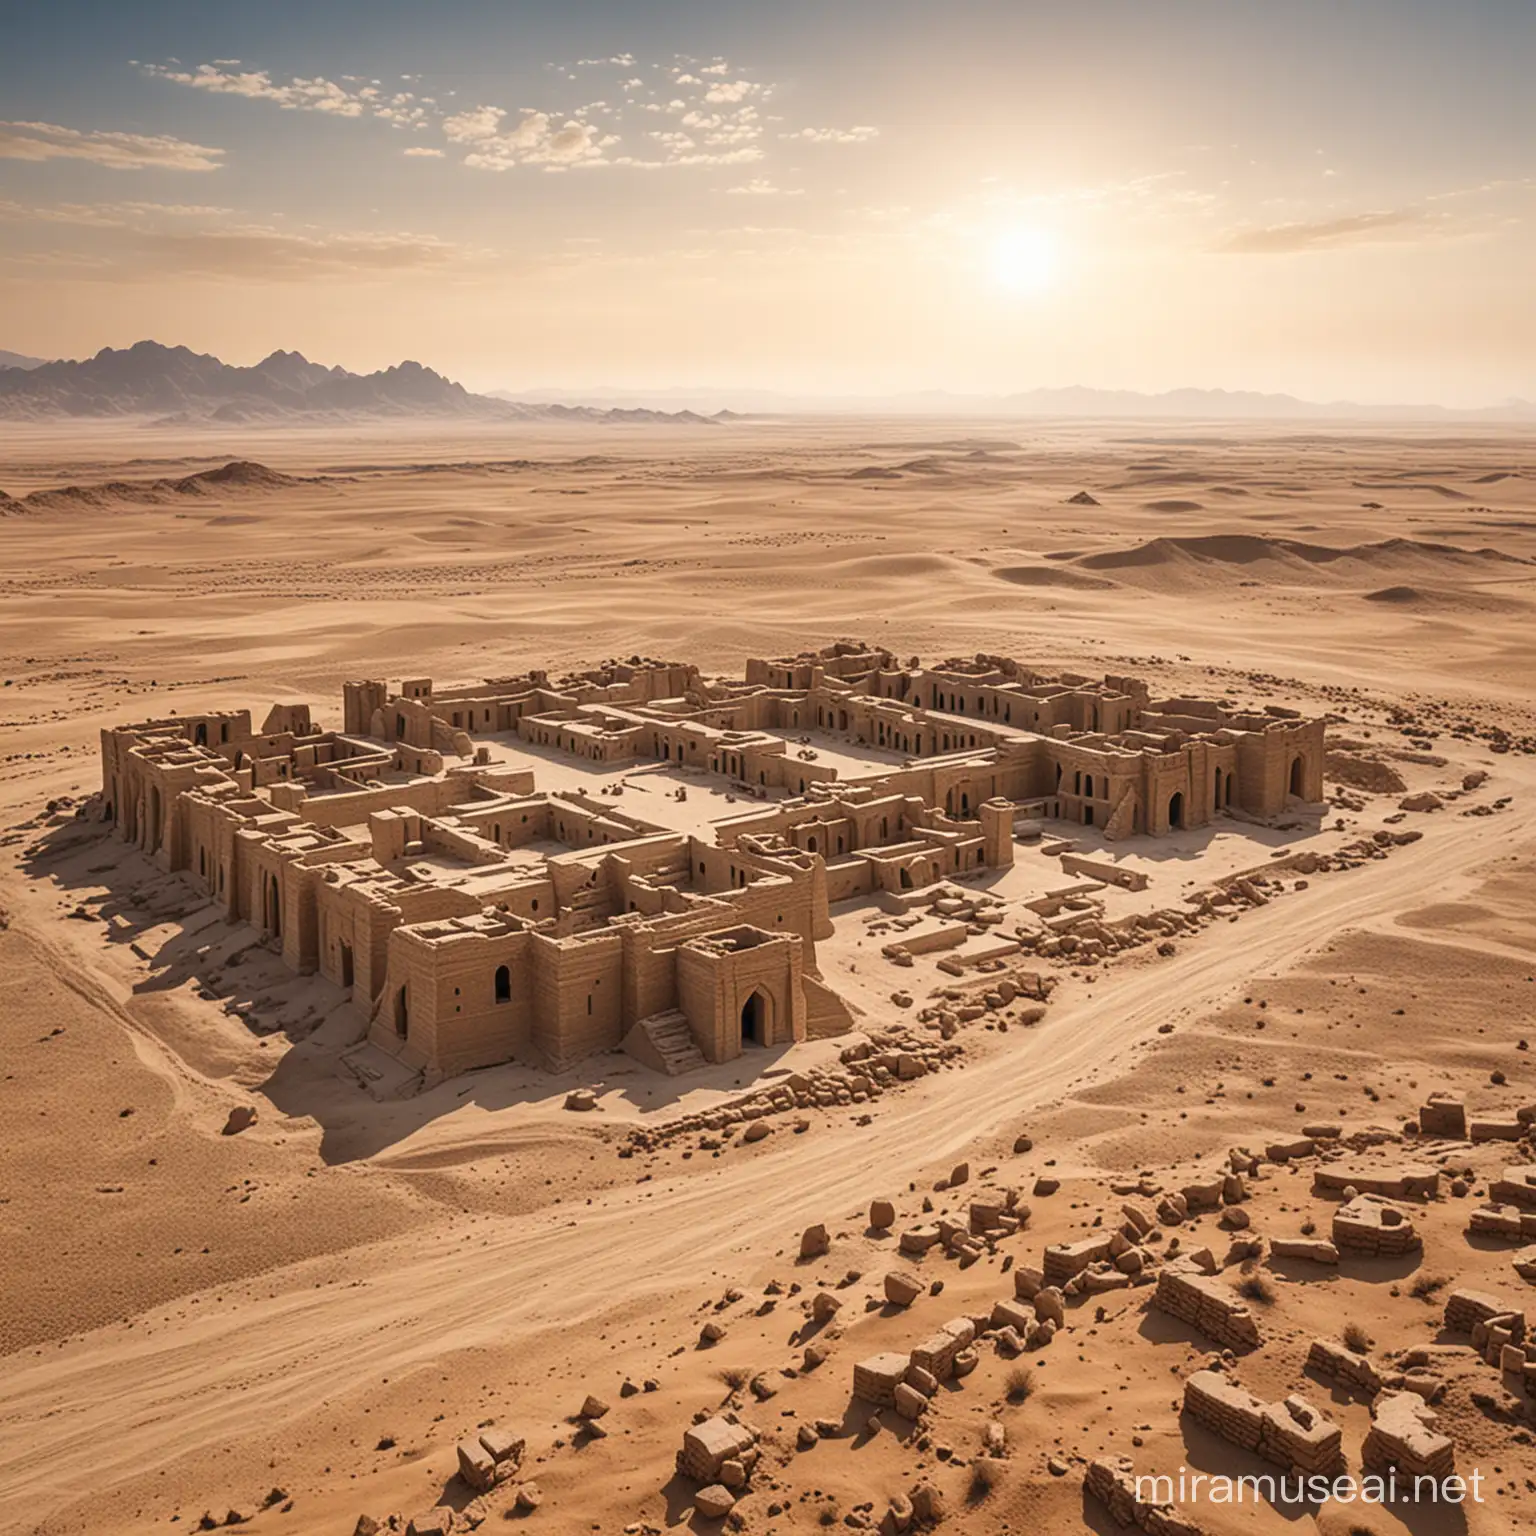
(1333, 198)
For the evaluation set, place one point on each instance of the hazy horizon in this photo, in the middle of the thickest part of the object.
(865, 201)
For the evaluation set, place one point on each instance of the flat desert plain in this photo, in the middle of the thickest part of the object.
(293, 1327)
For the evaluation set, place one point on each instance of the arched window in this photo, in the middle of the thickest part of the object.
(503, 984)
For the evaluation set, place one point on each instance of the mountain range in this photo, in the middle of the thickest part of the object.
(179, 385)
(1074, 402)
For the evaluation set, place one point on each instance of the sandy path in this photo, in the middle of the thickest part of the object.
(139, 1399)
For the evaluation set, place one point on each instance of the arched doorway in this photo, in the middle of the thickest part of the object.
(754, 1020)
(402, 1014)
(503, 984)
(1297, 780)
(347, 972)
(1176, 809)
(274, 912)
(906, 879)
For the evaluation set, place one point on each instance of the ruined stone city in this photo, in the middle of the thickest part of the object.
(768, 769)
(474, 917)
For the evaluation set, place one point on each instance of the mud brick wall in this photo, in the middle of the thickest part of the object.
(876, 1379)
(1064, 1260)
(1369, 1227)
(937, 1352)
(1344, 1366)
(1402, 1436)
(1292, 1433)
(1207, 1304)
(1113, 1484)
(1465, 1309)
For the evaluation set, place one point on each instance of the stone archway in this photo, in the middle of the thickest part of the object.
(1176, 810)
(756, 1016)
(1298, 777)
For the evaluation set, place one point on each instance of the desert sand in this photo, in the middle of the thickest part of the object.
(298, 1324)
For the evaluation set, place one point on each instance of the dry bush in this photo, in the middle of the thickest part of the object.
(1021, 1383)
(1257, 1287)
(1356, 1338)
(985, 1474)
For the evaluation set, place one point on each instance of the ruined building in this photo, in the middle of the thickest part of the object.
(409, 858)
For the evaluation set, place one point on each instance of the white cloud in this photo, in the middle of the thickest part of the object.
(860, 135)
(112, 215)
(533, 140)
(731, 90)
(1333, 234)
(261, 252)
(299, 94)
(760, 186)
(115, 151)
(421, 152)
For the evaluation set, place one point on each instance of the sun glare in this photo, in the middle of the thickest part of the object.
(1024, 261)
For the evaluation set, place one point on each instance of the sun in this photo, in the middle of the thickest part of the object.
(1024, 261)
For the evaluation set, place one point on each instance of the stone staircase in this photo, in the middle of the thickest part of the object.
(1122, 819)
(672, 1041)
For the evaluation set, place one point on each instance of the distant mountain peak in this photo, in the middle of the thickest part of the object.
(152, 379)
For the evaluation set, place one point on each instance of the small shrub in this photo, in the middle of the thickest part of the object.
(1021, 1383)
(985, 1472)
(1424, 1286)
(1356, 1338)
(1257, 1287)
(735, 1378)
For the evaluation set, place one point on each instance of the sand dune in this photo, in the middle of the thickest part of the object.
(1208, 558)
(236, 477)
(1050, 576)
(328, 1301)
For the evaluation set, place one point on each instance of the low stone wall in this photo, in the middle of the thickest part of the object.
(1444, 1116)
(1352, 1371)
(1113, 1484)
(1063, 1261)
(1374, 1229)
(1506, 1221)
(1465, 1309)
(1292, 1433)
(1411, 1181)
(1517, 1186)
(1501, 1128)
(708, 1446)
(1402, 1436)
(876, 1379)
(937, 1352)
(1206, 1303)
